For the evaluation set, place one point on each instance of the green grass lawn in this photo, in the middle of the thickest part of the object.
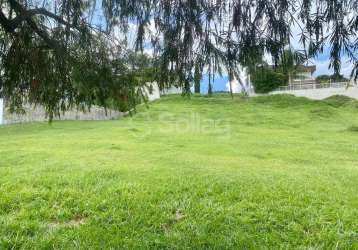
(271, 172)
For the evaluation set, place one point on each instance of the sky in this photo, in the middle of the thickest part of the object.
(322, 64)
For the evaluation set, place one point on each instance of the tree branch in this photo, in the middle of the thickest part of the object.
(5, 23)
(42, 11)
(26, 15)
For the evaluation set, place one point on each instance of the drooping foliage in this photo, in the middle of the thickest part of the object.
(52, 52)
(290, 62)
(52, 56)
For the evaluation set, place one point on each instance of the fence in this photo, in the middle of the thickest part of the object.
(313, 86)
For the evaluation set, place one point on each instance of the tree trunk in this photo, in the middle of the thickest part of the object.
(210, 89)
(197, 77)
(197, 87)
(231, 78)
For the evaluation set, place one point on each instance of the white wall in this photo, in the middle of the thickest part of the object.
(236, 87)
(155, 92)
(303, 75)
(319, 94)
(245, 79)
(38, 114)
(172, 90)
(1, 110)
(151, 90)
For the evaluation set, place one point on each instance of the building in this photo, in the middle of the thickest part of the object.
(304, 75)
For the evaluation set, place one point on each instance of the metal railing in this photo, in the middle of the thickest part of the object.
(313, 86)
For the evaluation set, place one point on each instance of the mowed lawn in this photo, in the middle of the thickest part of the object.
(275, 172)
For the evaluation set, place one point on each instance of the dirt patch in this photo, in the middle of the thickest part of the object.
(179, 215)
(76, 222)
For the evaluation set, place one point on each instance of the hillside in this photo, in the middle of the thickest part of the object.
(274, 171)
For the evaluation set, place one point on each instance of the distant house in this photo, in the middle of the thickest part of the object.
(304, 75)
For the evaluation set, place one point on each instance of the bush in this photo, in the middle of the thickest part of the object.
(265, 80)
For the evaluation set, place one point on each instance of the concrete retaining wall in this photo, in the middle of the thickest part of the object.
(171, 91)
(38, 114)
(319, 94)
(151, 90)
(35, 114)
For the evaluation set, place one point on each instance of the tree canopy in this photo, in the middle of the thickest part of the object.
(53, 53)
(331, 78)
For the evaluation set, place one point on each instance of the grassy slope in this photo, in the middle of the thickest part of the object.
(270, 172)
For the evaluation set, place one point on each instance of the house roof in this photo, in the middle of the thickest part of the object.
(303, 68)
(307, 68)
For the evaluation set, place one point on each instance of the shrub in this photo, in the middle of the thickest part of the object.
(265, 80)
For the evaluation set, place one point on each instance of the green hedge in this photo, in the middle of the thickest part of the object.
(265, 80)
